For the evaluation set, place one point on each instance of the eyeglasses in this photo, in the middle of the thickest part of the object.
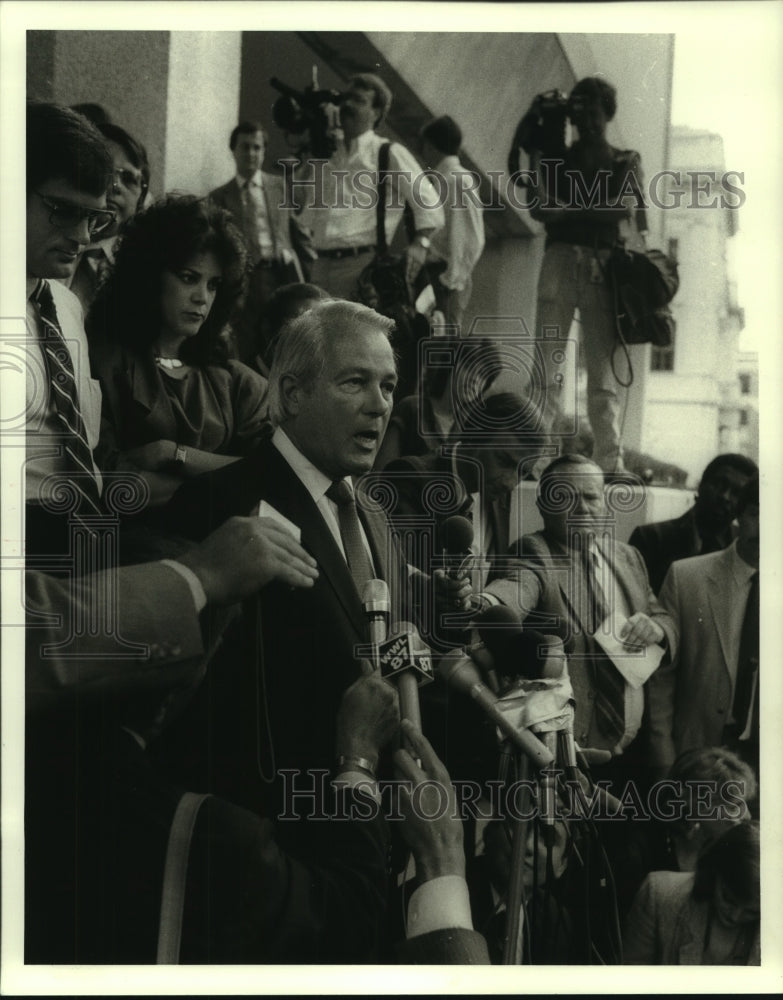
(131, 180)
(67, 214)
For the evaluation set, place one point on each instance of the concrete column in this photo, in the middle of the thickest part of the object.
(202, 106)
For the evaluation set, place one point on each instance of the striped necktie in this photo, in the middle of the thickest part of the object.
(80, 470)
(350, 532)
(609, 682)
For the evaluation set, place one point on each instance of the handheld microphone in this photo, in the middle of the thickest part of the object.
(462, 674)
(407, 662)
(456, 538)
(375, 601)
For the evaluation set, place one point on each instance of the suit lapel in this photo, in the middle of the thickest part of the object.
(286, 492)
(268, 182)
(690, 930)
(719, 585)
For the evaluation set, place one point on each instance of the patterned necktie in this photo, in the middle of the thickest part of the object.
(59, 366)
(748, 659)
(250, 203)
(609, 682)
(350, 531)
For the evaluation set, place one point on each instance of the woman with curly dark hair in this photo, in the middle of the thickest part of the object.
(175, 405)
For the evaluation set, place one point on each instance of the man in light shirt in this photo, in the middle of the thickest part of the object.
(339, 196)
(456, 248)
(68, 171)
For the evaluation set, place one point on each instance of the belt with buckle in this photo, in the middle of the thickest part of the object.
(339, 252)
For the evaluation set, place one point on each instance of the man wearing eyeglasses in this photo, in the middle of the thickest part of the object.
(68, 171)
(125, 197)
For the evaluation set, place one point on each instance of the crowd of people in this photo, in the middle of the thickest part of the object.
(296, 691)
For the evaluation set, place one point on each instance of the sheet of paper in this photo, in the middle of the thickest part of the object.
(635, 665)
(267, 510)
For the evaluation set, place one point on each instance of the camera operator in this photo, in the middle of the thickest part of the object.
(339, 196)
(585, 192)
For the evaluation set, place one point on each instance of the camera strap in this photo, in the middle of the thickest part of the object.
(381, 249)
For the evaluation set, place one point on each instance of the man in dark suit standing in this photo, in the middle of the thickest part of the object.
(331, 388)
(575, 580)
(255, 199)
(706, 527)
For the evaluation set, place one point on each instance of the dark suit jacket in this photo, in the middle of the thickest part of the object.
(281, 220)
(542, 583)
(450, 946)
(96, 872)
(664, 542)
(288, 684)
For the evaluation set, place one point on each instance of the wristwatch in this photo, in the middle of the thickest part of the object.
(180, 455)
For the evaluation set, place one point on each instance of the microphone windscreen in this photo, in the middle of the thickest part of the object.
(497, 627)
(375, 596)
(456, 534)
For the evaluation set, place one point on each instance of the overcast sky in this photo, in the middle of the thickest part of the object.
(729, 81)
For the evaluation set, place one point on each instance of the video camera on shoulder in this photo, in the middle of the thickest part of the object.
(542, 129)
(313, 114)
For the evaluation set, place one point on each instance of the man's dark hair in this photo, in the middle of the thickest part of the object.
(444, 134)
(246, 128)
(504, 413)
(746, 466)
(283, 305)
(64, 144)
(749, 494)
(133, 149)
(382, 96)
(734, 858)
(475, 360)
(596, 88)
(96, 113)
(128, 307)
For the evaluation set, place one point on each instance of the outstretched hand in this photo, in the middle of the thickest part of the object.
(245, 554)
(431, 828)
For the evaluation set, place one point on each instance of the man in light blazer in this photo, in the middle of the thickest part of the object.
(693, 698)
(255, 199)
(550, 584)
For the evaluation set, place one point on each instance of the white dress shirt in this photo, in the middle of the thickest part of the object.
(44, 430)
(461, 241)
(316, 483)
(261, 228)
(340, 211)
(634, 697)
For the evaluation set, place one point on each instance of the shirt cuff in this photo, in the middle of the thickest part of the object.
(442, 902)
(187, 574)
(490, 598)
(357, 780)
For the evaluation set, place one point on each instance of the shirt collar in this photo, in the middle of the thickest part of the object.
(255, 179)
(447, 163)
(314, 481)
(364, 142)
